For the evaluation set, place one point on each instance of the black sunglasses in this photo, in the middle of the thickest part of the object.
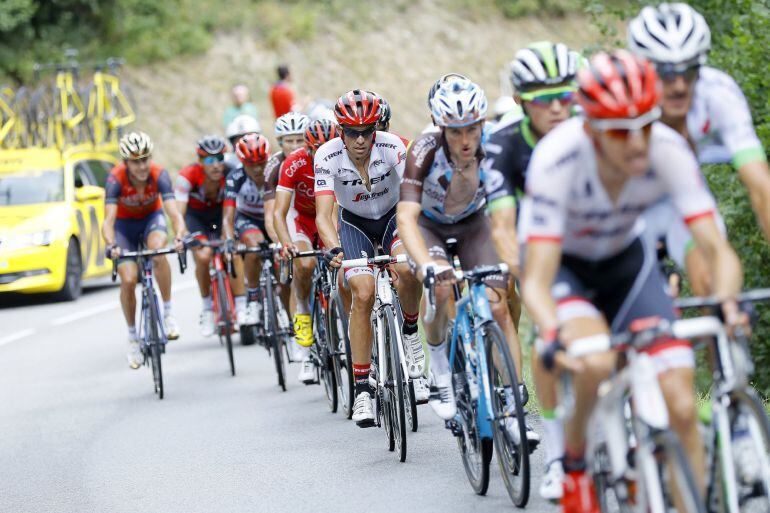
(670, 72)
(355, 134)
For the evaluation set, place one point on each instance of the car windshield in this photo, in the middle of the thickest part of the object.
(31, 186)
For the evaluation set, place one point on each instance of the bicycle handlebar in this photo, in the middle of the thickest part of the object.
(749, 296)
(379, 261)
(148, 253)
(474, 275)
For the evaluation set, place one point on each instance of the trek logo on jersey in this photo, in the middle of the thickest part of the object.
(300, 162)
(366, 196)
(376, 179)
(386, 145)
(332, 155)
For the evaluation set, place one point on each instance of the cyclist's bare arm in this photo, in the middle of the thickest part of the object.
(727, 273)
(503, 227)
(269, 224)
(177, 218)
(228, 220)
(182, 207)
(108, 226)
(543, 258)
(407, 214)
(756, 177)
(282, 203)
(324, 209)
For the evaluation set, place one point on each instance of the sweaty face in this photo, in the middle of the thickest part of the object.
(289, 143)
(629, 155)
(677, 97)
(463, 141)
(139, 169)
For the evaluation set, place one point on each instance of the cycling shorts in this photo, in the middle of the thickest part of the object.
(303, 229)
(129, 233)
(474, 243)
(244, 225)
(622, 288)
(359, 237)
(208, 223)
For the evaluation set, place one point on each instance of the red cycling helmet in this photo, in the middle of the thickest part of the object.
(253, 149)
(617, 86)
(357, 107)
(320, 132)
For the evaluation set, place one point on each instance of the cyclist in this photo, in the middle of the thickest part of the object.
(137, 192)
(443, 195)
(543, 76)
(707, 107)
(587, 271)
(295, 223)
(447, 77)
(200, 191)
(243, 215)
(363, 169)
(238, 127)
(290, 132)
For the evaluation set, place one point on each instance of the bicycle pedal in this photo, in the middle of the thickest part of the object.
(454, 426)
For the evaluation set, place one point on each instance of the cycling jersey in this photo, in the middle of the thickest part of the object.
(131, 203)
(272, 170)
(508, 151)
(189, 189)
(296, 177)
(565, 201)
(336, 174)
(428, 176)
(719, 121)
(244, 194)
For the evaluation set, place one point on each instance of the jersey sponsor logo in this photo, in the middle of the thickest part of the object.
(320, 182)
(378, 162)
(298, 163)
(333, 155)
(421, 148)
(385, 145)
(376, 179)
(412, 181)
(305, 190)
(401, 156)
(322, 171)
(366, 196)
(566, 159)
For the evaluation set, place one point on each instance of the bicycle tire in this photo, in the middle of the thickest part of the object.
(671, 461)
(476, 452)
(325, 365)
(340, 344)
(271, 331)
(226, 317)
(397, 388)
(411, 408)
(611, 497)
(513, 459)
(155, 342)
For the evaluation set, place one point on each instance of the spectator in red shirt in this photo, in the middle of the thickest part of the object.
(282, 94)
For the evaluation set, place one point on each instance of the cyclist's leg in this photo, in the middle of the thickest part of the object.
(128, 234)
(156, 237)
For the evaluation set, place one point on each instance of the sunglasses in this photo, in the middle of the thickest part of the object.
(565, 98)
(621, 129)
(352, 133)
(213, 159)
(670, 72)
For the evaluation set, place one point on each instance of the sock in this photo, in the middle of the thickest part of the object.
(132, 333)
(439, 362)
(208, 303)
(553, 436)
(253, 294)
(361, 376)
(303, 306)
(410, 323)
(167, 308)
(240, 302)
(574, 461)
(302, 352)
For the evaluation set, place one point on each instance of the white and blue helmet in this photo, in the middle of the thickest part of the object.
(291, 123)
(458, 103)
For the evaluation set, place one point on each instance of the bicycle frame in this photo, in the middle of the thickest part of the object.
(148, 296)
(218, 266)
(383, 298)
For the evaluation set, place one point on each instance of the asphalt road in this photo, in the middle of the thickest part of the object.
(81, 432)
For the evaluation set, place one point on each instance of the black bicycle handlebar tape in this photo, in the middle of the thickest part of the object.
(429, 282)
(329, 255)
(182, 255)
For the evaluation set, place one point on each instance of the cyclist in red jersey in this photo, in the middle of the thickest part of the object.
(294, 221)
(137, 191)
(199, 191)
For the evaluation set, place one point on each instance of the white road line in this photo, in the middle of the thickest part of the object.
(17, 336)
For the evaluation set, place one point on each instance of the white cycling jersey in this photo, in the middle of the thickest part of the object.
(719, 121)
(565, 201)
(336, 174)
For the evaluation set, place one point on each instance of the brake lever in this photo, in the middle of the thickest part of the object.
(182, 255)
(114, 270)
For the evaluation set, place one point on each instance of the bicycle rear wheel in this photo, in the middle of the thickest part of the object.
(323, 355)
(226, 318)
(341, 359)
(272, 333)
(155, 343)
(506, 402)
(411, 407)
(394, 384)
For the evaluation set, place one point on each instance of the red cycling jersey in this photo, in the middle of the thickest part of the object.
(189, 189)
(297, 177)
(131, 203)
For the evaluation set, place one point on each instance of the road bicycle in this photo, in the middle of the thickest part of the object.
(152, 333)
(485, 382)
(738, 431)
(109, 107)
(389, 374)
(339, 342)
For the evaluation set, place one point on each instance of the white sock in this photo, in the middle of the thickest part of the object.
(240, 302)
(553, 439)
(208, 303)
(303, 306)
(439, 362)
(132, 333)
(166, 308)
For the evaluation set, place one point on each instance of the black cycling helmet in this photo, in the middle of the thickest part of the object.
(211, 145)
(385, 112)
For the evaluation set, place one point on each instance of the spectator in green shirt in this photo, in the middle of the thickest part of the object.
(241, 105)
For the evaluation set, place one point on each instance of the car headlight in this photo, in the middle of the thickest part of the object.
(41, 238)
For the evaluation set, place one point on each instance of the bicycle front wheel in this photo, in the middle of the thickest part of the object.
(274, 338)
(394, 384)
(155, 343)
(508, 413)
(667, 480)
(323, 355)
(226, 318)
(341, 359)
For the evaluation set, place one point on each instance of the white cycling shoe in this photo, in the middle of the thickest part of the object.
(421, 390)
(240, 316)
(134, 354)
(206, 323)
(552, 485)
(442, 397)
(512, 427)
(171, 326)
(363, 412)
(415, 355)
(307, 371)
(252, 314)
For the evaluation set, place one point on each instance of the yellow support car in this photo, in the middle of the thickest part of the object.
(51, 212)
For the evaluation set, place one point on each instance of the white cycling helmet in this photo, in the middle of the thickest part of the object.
(543, 64)
(458, 103)
(291, 123)
(670, 34)
(135, 145)
(242, 125)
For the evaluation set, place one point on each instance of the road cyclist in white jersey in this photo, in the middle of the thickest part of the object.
(362, 169)
(587, 272)
(708, 108)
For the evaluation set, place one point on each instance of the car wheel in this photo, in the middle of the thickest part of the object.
(73, 285)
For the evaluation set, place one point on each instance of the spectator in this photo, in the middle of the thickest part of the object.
(241, 105)
(282, 94)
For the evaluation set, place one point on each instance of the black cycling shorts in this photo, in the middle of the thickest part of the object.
(359, 237)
